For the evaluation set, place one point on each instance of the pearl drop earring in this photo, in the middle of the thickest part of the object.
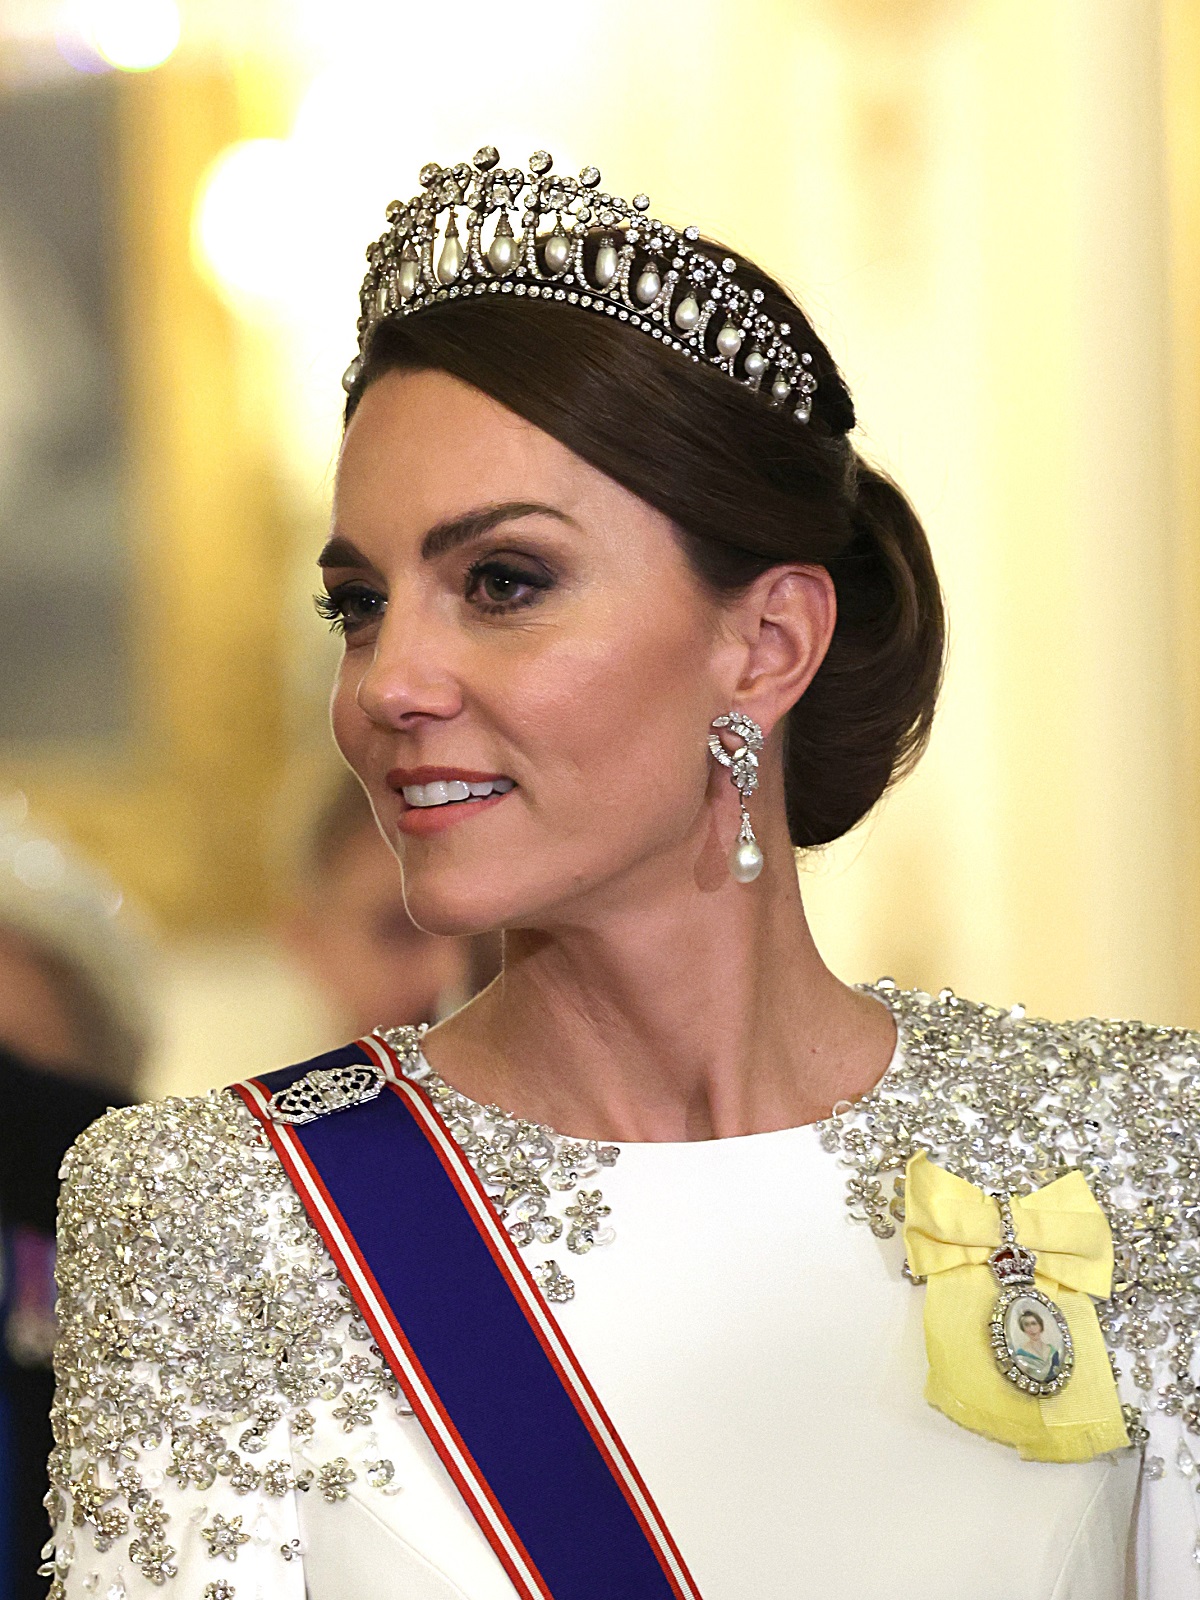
(746, 858)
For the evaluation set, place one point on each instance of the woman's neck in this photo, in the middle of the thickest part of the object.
(696, 1012)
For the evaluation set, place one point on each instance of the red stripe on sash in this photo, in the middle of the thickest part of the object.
(529, 1297)
(377, 1313)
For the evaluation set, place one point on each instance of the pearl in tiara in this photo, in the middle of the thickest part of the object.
(581, 247)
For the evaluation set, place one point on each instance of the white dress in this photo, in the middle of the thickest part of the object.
(227, 1431)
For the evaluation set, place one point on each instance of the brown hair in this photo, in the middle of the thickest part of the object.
(747, 488)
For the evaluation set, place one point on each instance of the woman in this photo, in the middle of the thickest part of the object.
(594, 559)
(1040, 1359)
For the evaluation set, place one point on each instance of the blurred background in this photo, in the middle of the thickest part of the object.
(992, 209)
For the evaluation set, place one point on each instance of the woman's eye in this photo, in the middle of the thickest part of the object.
(495, 585)
(350, 606)
(499, 586)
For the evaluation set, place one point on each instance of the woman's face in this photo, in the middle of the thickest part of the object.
(1030, 1326)
(514, 617)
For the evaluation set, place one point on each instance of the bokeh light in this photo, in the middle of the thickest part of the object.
(135, 35)
(245, 209)
(131, 35)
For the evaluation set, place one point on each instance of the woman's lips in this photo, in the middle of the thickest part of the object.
(421, 821)
(434, 798)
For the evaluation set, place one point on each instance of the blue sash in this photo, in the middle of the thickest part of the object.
(466, 1330)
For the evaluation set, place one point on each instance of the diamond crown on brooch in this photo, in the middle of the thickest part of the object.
(1013, 1264)
(641, 272)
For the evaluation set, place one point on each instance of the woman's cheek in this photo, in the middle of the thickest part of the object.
(345, 716)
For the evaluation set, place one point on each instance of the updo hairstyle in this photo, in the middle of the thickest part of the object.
(747, 488)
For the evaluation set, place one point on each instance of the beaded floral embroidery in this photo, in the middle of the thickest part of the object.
(1009, 1102)
(524, 1166)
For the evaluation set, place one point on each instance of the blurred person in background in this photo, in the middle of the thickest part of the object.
(73, 1036)
(349, 933)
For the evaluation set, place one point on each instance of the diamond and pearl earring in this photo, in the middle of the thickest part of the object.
(746, 857)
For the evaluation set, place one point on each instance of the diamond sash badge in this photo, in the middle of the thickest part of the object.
(325, 1090)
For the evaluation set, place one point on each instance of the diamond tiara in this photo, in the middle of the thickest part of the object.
(641, 271)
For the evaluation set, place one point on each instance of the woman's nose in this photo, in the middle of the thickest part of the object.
(409, 675)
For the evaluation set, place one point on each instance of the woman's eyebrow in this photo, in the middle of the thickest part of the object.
(339, 552)
(448, 535)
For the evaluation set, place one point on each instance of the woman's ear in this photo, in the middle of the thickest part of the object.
(785, 620)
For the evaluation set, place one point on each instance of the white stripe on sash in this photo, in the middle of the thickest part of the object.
(521, 1283)
(423, 1400)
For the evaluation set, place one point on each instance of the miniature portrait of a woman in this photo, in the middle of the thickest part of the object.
(537, 1301)
(1039, 1356)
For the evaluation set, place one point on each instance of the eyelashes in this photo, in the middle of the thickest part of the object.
(493, 585)
(349, 606)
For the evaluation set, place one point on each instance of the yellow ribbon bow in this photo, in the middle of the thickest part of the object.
(951, 1228)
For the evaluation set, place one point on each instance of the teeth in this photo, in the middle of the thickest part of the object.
(454, 790)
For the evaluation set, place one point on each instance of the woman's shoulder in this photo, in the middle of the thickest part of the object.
(164, 1140)
(171, 1202)
(178, 1203)
(168, 1170)
(1010, 1103)
(199, 1315)
(1009, 1100)
(1095, 1069)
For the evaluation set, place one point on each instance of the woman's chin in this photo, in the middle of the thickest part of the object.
(453, 920)
(454, 904)
(461, 900)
